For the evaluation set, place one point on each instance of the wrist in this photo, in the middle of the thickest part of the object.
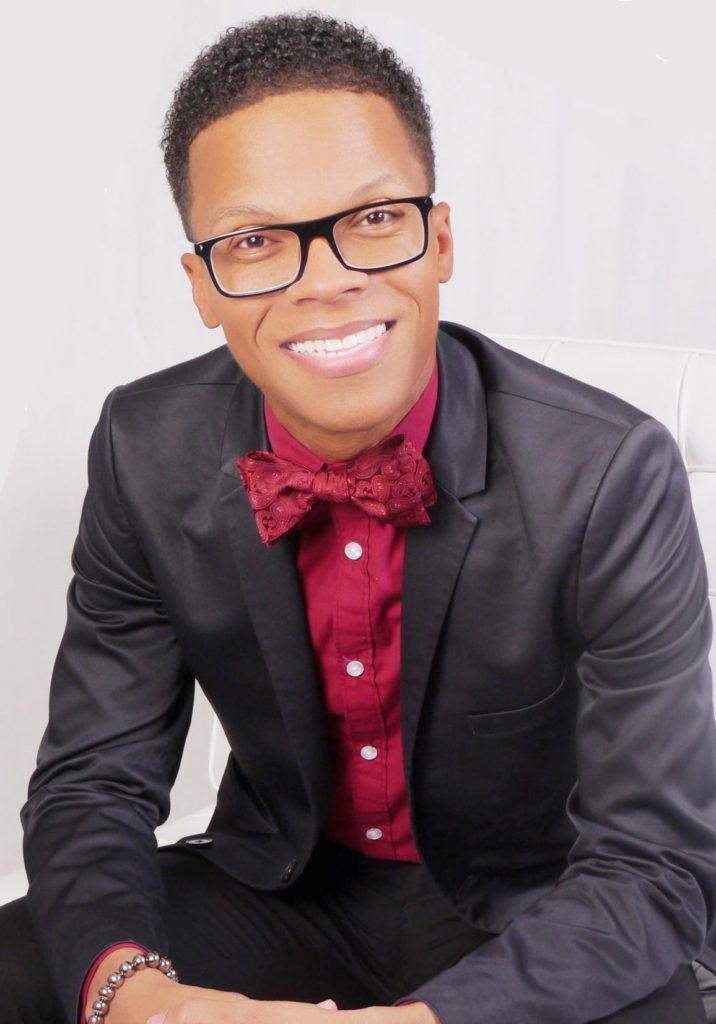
(417, 1012)
(145, 988)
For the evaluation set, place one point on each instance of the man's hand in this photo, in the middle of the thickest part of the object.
(230, 1008)
(151, 998)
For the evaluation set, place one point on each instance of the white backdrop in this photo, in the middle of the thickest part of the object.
(576, 144)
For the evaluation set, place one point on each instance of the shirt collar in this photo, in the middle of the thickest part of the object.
(415, 425)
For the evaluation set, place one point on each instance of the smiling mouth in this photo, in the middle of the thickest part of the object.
(335, 346)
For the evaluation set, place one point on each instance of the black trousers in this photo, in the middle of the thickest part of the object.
(361, 931)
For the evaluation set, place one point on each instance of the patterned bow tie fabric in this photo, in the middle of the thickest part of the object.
(391, 481)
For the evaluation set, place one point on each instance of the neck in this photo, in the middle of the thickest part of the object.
(339, 440)
(334, 447)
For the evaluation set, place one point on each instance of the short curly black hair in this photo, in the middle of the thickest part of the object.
(279, 54)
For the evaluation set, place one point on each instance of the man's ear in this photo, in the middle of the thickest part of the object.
(442, 233)
(202, 289)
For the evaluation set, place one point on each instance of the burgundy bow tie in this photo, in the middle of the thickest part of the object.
(390, 481)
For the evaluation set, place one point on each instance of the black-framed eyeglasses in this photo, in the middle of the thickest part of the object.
(369, 238)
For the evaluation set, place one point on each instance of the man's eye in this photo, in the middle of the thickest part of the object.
(251, 242)
(377, 217)
(386, 217)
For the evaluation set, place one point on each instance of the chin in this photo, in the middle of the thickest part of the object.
(357, 423)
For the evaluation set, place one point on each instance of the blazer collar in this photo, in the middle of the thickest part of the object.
(434, 556)
(274, 601)
(457, 446)
(245, 428)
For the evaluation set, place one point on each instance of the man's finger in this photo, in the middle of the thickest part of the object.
(205, 995)
(327, 1004)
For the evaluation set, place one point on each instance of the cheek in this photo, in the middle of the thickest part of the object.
(422, 284)
(426, 300)
(242, 330)
(239, 345)
(245, 352)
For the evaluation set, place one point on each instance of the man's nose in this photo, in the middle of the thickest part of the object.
(324, 276)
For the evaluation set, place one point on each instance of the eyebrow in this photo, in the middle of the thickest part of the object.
(265, 215)
(262, 214)
(382, 179)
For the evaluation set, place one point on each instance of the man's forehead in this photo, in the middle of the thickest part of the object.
(297, 156)
(276, 214)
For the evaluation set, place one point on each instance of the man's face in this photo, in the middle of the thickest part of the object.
(295, 157)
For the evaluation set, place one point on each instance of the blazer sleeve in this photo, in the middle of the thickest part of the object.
(639, 891)
(120, 706)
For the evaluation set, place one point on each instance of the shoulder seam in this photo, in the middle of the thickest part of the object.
(131, 389)
(576, 412)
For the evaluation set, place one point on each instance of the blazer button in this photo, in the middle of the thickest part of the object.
(199, 841)
(288, 871)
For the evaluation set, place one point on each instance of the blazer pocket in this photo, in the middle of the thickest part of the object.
(507, 723)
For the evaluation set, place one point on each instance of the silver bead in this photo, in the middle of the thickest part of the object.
(100, 1007)
(152, 959)
(139, 962)
(115, 980)
(165, 965)
(106, 993)
(173, 975)
(126, 969)
(94, 1019)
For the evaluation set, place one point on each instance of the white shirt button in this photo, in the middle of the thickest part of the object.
(355, 668)
(369, 753)
(353, 550)
(374, 833)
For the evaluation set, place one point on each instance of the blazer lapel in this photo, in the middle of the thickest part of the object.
(272, 592)
(457, 453)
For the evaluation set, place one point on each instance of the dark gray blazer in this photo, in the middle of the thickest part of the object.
(556, 698)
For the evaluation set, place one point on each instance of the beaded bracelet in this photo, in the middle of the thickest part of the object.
(100, 1007)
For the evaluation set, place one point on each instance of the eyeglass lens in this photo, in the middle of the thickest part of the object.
(369, 239)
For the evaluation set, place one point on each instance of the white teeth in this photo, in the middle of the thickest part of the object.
(327, 346)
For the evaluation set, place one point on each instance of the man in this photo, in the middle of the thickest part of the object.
(473, 765)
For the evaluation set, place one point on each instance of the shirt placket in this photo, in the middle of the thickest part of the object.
(363, 710)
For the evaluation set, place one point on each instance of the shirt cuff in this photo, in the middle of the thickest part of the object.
(89, 977)
(407, 1002)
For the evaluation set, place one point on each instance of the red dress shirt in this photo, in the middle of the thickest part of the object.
(350, 566)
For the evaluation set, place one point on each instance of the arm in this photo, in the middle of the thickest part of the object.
(120, 706)
(640, 886)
